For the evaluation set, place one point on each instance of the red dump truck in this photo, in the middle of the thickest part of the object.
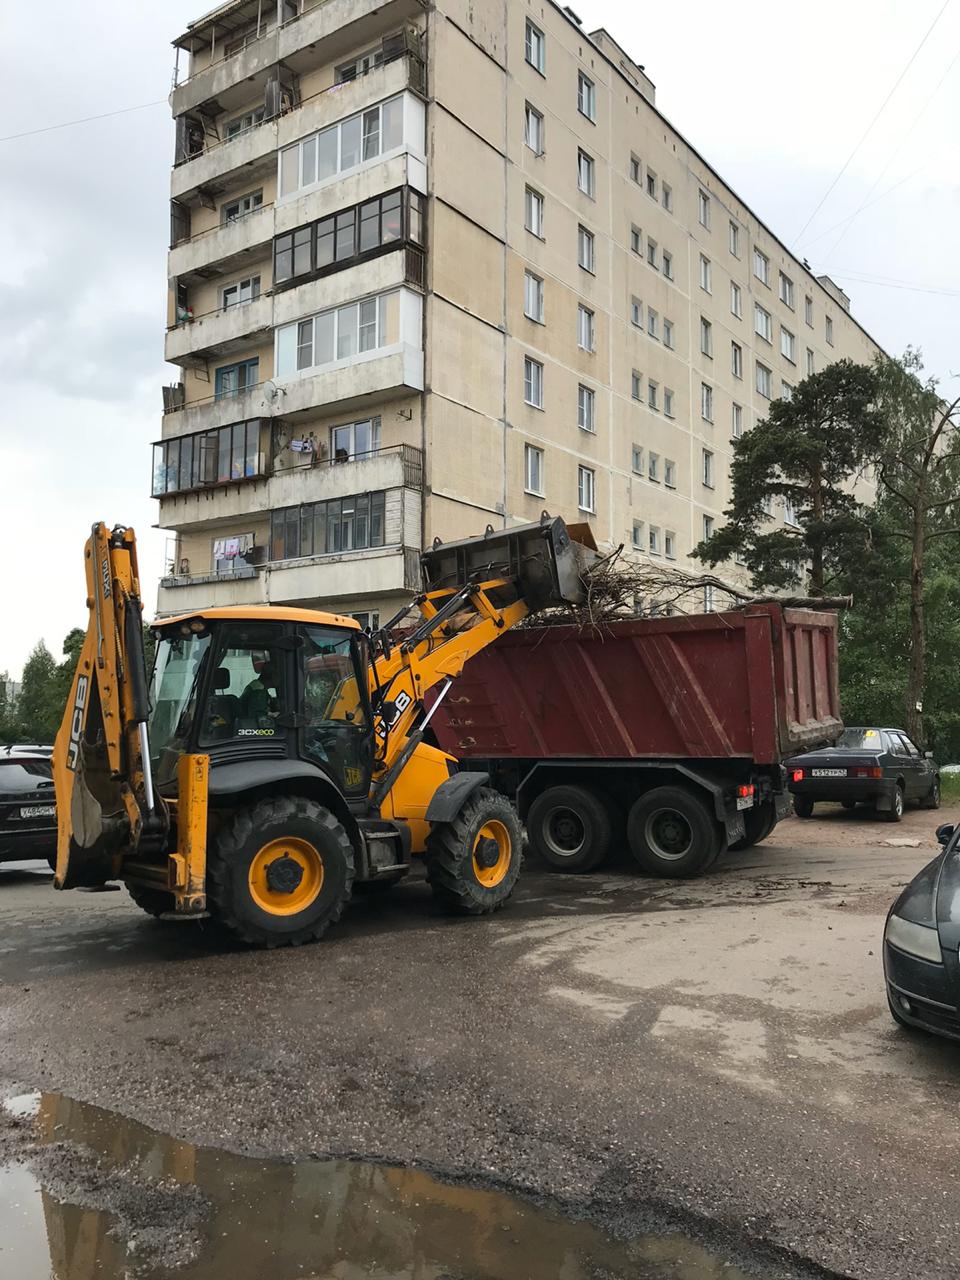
(672, 727)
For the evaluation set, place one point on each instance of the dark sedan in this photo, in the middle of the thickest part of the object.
(920, 943)
(28, 811)
(880, 767)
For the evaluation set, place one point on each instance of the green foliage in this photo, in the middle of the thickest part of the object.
(38, 708)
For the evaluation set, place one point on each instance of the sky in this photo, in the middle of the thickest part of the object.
(775, 97)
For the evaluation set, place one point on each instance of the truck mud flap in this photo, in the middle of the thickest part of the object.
(735, 827)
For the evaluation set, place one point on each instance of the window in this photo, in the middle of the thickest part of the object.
(242, 123)
(703, 209)
(736, 301)
(369, 619)
(533, 297)
(667, 402)
(535, 48)
(788, 345)
(637, 536)
(786, 290)
(586, 250)
(533, 212)
(212, 457)
(586, 329)
(670, 545)
(734, 239)
(706, 402)
(736, 359)
(355, 440)
(766, 505)
(786, 390)
(668, 264)
(666, 197)
(668, 334)
(635, 169)
(653, 323)
(533, 469)
(706, 275)
(706, 474)
(708, 525)
(762, 322)
(736, 420)
(241, 207)
(636, 313)
(808, 310)
(637, 460)
(651, 184)
(708, 601)
(329, 528)
(586, 489)
(706, 338)
(636, 241)
(378, 225)
(586, 173)
(653, 467)
(828, 329)
(586, 96)
(790, 512)
(342, 333)
(242, 291)
(233, 379)
(533, 131)
(654, 540)
(364, 63)
(636, 384)
(653, 394)
(652, 253)
(533, 382)
(586, 409)
(670, 473)
(811, 367)
(342, 147)
(764, 380)
(761, 267)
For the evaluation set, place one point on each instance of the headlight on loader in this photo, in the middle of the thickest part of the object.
(915, 939)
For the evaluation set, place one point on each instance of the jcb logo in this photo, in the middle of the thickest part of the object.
(105, 577)
(401, 702)
(76, 722)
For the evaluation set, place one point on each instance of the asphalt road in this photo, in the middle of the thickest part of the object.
(714, 1054)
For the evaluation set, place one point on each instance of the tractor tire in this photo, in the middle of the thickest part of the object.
(895, 813)
(570, 828)
(758, 822)
(280, 872)
(672, 833)
(473, 862)
(153, 901)
(803, 807)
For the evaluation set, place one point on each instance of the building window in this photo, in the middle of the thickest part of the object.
(706, 275)
(636, 460)
(736, 301)
(635, 169)
(811, 367)
(703, 209)
(736, 359)
(808, 310)
(343, 333)
(378, 225)
(666, 197)
(242, 123)
(670, 545)
(786, 389)
(240, 207)
(828, 329)
(788, 345)
(533, 212)
(653, 467)
(233, 379)
(654, 540)
(670, 473)
(369, 61)
(707, 474)
(241, 291)
(668, 264)
(761, 267)
(790, 512)
(706, 338)
(762, 322)
(586, 329)
(355, 440)
(587, 250)
(708, 526)
(736, 422)
(369, 619)
(706, 402)
(637, 535)
(342, 146)
(220, 456)
(533, 297)
(653, 395)
(636, 313)
(734, 239)
(533, 470)
(586, 96)
(668, 334)
(667, 403)
(586, 489)
(533, 131)
(533, 382)
(764, 380)
(651, 184)
(329, 528)
(636, 384)
(653, 323)
(636, 241)
(786, 290)
(586, 409)
(708, 600)
(535, 48)
(586, 173)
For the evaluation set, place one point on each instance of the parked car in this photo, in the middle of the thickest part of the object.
(28, 812)
(881, 767)
(920, 944)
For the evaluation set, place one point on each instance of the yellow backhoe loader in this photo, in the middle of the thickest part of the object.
(278, 758)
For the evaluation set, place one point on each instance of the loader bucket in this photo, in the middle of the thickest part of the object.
(546, 560)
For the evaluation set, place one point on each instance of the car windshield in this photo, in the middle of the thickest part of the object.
(860, 740)
(173, 701)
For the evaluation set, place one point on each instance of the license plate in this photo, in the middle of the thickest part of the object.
(744, 802)
(38, 811)
(828, 773)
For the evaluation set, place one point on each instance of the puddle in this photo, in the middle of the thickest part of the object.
(308, 1220)
(23, 1106)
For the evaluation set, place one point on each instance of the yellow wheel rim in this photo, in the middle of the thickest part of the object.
(286, 876)
(489, 873)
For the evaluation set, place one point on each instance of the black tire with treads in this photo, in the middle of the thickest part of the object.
(449, 856)
(672, 833)
(570, 828)
(153, 901)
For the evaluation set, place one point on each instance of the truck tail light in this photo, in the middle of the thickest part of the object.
(798, 775)
(744, 792)
(863, 771)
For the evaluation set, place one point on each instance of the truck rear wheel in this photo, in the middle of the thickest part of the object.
(473, 862)
(280, 872)
(672, 833)
(570, 828)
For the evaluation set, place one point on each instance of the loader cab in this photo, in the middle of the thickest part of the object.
(265, 684)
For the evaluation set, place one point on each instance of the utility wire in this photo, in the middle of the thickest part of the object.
(876, 117)
(881, 283)
(867, 205)
(68, 124)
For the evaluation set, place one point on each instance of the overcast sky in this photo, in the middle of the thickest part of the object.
(775, 104)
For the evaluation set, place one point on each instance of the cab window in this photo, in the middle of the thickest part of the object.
(247, 695)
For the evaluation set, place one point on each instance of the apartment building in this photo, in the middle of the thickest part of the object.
(438, 266)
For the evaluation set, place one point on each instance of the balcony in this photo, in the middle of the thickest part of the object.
(220, 332)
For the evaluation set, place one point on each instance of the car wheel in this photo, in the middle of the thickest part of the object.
(895, 813)
(849, 804)
(933, 799)
(802, 807)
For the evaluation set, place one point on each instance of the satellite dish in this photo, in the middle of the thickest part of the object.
(271, 391)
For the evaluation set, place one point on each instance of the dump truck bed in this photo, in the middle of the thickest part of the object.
(758, 683)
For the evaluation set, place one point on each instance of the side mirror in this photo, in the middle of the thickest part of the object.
(945, 832)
